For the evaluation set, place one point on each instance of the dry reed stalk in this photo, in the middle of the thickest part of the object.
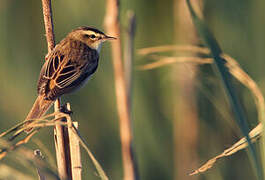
(112, 27)
(37, 124)
(233, 66)
(61, 140)
(76, 164)
(239, 145)
(48, 22)
(4, 152)
(75, 154)
(164, 60)
(176, 48)
(60, 134)
(129, 55)
(185, 111)
(75, 132)
(235, 69)
(27, 158)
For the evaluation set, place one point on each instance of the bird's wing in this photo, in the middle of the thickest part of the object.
(53, 64)
(60, 74)
(70, 72)
(62, 71)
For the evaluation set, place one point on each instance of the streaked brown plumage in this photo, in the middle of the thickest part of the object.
(68, 66)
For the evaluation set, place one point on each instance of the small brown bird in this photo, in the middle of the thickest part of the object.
(68, 66)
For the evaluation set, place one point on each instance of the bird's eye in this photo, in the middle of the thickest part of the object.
(92, 36)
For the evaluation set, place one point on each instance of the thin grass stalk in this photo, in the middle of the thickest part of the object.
(27, 158)
(167, 48)
(239, 145)
(112, 27)
(225, 77)
(234, 69)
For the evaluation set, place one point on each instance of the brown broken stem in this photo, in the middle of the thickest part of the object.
(75, 154)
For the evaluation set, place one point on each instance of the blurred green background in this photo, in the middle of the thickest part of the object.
(239, 27)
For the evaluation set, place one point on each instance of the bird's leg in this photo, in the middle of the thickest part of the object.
(65, 110)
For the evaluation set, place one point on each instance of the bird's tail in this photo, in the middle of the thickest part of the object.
(39, 108)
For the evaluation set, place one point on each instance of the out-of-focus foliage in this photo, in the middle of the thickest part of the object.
(239, 28)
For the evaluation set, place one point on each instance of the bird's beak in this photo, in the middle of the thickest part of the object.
(109, 38)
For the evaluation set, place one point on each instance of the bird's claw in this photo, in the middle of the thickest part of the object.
(64, 109)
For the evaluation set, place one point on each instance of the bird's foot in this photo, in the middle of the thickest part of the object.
(65, 110)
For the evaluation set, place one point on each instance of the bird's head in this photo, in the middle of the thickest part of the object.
(92, 37)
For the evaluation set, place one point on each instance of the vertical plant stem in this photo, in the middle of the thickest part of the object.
(61, 140)
(128, 55)
(59, 135)
(75, 154)
(112, 27)
(48, 22)
(185, 111)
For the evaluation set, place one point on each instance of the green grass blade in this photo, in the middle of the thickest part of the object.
(216, 52)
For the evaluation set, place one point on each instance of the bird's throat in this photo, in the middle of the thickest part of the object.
(96, 46)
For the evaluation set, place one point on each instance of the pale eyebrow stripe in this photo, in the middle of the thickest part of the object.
(91, 32)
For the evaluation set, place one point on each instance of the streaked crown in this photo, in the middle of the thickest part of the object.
(92, 37)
